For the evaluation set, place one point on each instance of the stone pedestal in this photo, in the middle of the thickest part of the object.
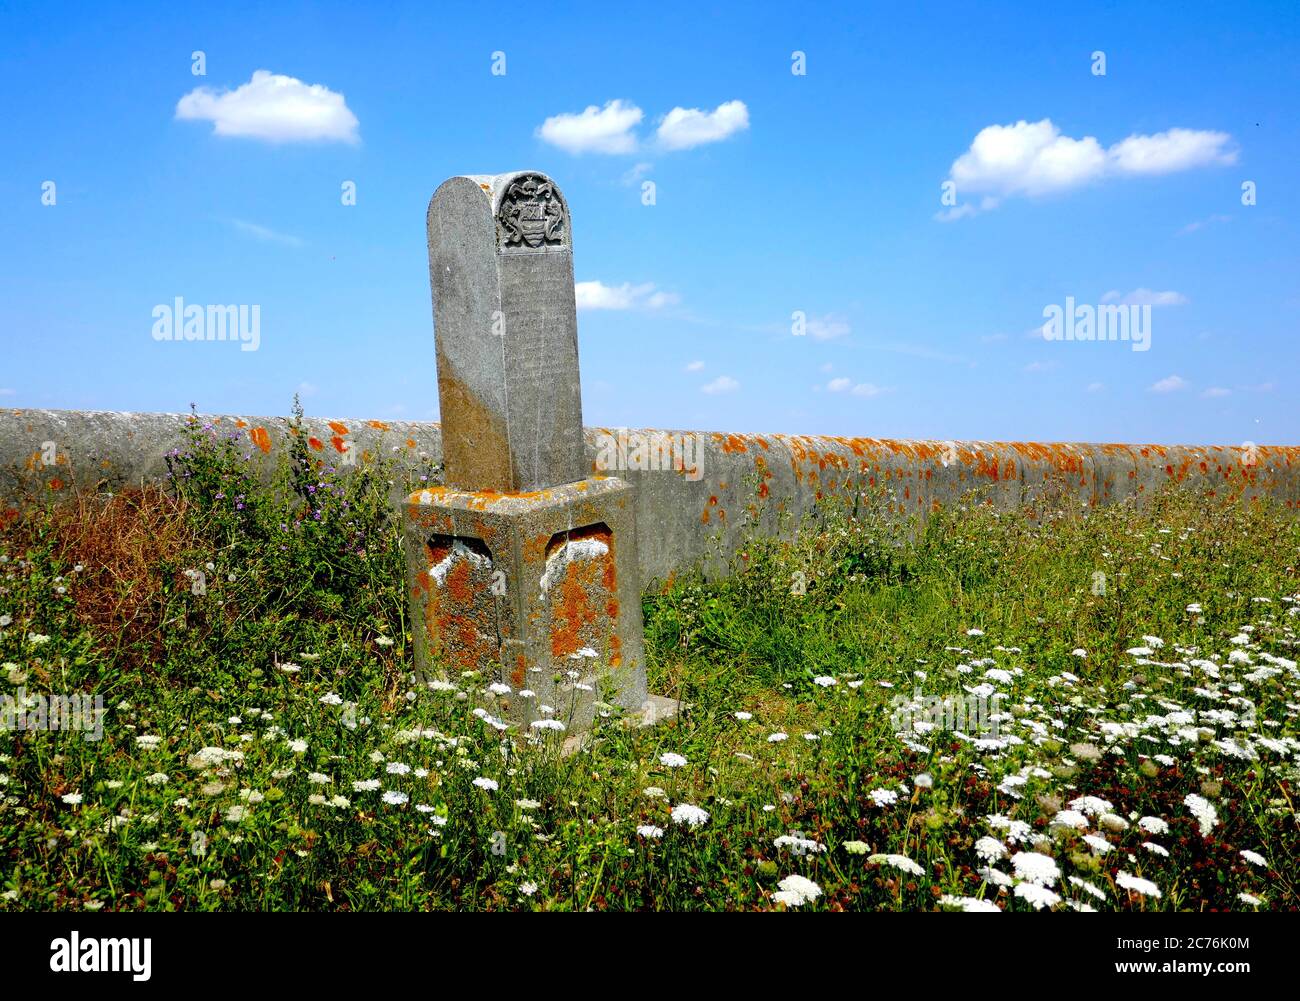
(537, 590)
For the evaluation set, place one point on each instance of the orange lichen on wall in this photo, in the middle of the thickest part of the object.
(731, 443)
(261, 438)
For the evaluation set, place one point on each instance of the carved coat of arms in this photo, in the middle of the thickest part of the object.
(531, 214)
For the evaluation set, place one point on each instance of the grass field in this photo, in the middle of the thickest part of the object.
(265, 746)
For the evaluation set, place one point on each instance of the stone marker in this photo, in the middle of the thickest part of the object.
(505, 323)
(520, 567)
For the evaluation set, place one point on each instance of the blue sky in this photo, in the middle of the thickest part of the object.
(776, 194)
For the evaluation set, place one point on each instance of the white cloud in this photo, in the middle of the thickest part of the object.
(695, 366)
(657, 300)
(1034, 158)
(1026, 158)
(1214, 392)
(1170, 152)
(274, 108)
(960, 211)
(595, 130)
(1145, 297)
(1096, 387)
(1170, 384)
(685, 128)
(1042, 366)
(863, 389)
(635, 174)
(825, 328)
(6, 392)
(598, 295)
(722, 384)
(265, 234)
(966, 209)
(1192, 227)
(306, 389)
(612, 129)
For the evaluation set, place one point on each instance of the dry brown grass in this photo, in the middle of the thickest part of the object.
(124, 544)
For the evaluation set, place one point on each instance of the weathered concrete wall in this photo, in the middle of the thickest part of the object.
(713, 482)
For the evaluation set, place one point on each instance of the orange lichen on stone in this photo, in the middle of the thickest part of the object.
(261, 439)
(377, 425)
(315, 443)
(339, 444)
(338, 428)
(574, 609)
(438, 552)
(458, 582)
(535, 548)
(433, 491)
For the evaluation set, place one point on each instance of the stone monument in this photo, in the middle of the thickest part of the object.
(521, 567)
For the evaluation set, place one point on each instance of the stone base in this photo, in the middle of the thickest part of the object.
(537, 591)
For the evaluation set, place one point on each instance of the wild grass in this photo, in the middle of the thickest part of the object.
(265, 747)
